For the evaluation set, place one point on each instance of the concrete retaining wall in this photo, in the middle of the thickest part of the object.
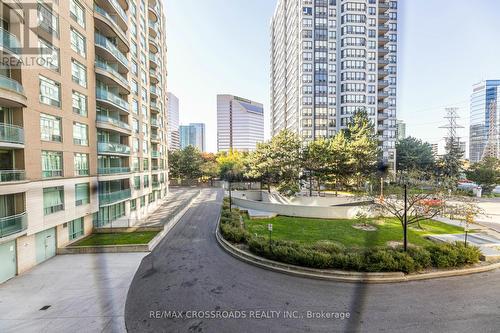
(337, 209)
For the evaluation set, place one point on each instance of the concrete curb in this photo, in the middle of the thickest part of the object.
(338, 275)
(132, 247)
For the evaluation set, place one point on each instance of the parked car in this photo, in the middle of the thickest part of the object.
(496, 190)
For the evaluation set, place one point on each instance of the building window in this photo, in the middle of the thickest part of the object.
(47, 20)
(53, 200)
(79, 73)
(80, 134)
(79, 103)
(52, 164)
(77, 12)
(50, 55)
(50, 128)
(151, 198)
(50, 92)
(109, 214)
(143, 201)
(75, 229)
(146, 181)
(137, 182)
(133, 205)
(81, 164)
(135, 164)
(82, 194)
(78, 43)
(146, 164)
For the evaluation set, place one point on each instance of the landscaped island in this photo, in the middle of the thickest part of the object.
(118, 238)
(370, 245)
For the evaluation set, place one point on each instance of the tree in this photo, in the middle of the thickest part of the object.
(362, 147)
(210, 167)
(414, 155)
(190, 163)
(231, 166)
(485, 173)
(284, 161)
(338, 161)
(260, 165)
(315, 161)
(450, 165)
(174, 157)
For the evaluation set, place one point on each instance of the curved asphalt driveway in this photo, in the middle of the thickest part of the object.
(188, 271)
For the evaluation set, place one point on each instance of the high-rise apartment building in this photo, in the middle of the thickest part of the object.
(193, 135)
(400, 129)
(329, 59)
(240, 123)
(173, 122)
(484, 130)
(82, 114)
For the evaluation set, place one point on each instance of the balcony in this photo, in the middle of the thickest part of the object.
(12, 176)
(154, 45)
(11, 136)
(382, 18)
(113, 170)
(383, 105)
(154, 28)
(113, 124)
(382, 51)
(155, 137)
(383, 73)
(154, 61)
(154, 90)
(52, 173)
(154, 76)
(382, 116)
(115, 102)
(110, 51)
(155, 154)
(9, 43)
(154, 13)
(14, 224)
(110, 25)
(382, 94)
(154, 106)
(383, 84)
(111, 77)
(120, 11)
(11, 93)
(383, 7)
(113, 197)
(156, 185)
(112, 148)
(154, 122)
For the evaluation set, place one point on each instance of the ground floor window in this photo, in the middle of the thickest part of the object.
(133, 205)
(76, 228)
(109, 214)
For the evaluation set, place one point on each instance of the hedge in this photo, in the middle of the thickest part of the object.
(330, 255)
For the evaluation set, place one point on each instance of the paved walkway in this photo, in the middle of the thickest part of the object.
(177, 199)
(86, 293)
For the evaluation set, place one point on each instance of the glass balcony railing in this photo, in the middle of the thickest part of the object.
(154, 25)
(112, 147)
(111, 197)
(156, 185)
(154, 58)
(12, 175)
(105, 119)
(155, 137)
(112, 170)
(155, 106)
(105, 95)
(110, 47)
(52, 173)
(11, 133)
(155, 10)
(10, 42)
(154, 122)
(154, 90)
(11, 84)
(10, 225)
(104, 66)
(155, 154)
(119, 10)
(109, 17)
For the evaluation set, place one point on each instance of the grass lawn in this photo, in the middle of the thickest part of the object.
(307, 230)
(142, 237)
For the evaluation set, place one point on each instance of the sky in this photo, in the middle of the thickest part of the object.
(222, 47)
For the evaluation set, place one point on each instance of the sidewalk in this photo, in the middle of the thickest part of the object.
(85, 293)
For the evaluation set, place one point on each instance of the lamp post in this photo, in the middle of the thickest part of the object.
(270, 228)
(405, 219)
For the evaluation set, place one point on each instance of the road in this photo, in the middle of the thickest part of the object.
(188, 271)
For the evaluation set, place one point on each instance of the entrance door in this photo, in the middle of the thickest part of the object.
(45, 245)
(7, 261)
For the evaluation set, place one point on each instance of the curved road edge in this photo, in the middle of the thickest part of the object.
(341, 276)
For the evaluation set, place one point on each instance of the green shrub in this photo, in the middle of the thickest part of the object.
(421, 257)
(467, 255)
(350, 261)
(443, 255)
(328, 247)
(234, 234)
(381, 260)
(404, 262)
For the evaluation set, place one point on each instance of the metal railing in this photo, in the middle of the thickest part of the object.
(10, 41)
(11, 84)
(102, 65)
(52, 173)
(112, 98)
(102, 41)
(10, 225)
(113, 170)
(105, 119)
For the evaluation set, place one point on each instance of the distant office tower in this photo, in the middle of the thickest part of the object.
(401, 130)
(240, 123)
(193, 135)
(435, 149)
(330, 59)
(173, 122)
(484, 121)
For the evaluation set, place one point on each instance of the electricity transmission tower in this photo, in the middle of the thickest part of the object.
(492, 146)
(452, 139)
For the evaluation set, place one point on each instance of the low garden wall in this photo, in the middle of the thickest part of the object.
(324, 208)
